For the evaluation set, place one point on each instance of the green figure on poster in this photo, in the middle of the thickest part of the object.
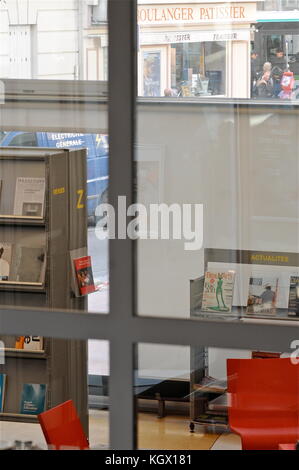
(219, 292)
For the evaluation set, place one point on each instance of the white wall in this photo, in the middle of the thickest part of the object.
(54, 38)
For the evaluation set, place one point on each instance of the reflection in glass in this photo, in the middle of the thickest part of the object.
(48, 399)
(215, 399)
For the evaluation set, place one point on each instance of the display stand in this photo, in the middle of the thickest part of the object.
(207, 394)
(60, 229)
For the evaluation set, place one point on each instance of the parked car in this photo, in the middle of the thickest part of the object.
(97, 157)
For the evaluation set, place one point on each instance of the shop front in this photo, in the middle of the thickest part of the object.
(195, 49)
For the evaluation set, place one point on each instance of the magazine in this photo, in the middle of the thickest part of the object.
(30, 197)
(218, 292)
(5, 260)
(29, 264)
(262, 295)
(294, 296)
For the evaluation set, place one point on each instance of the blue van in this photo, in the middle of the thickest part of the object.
(97, 157)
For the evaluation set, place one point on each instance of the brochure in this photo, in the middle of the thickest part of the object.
(30, 197)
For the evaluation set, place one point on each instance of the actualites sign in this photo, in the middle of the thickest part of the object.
(197, 13)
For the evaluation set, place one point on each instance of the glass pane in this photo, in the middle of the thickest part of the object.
(216, 193)
(49, 397)
(50, 217)
(66, 40)
(216, 399)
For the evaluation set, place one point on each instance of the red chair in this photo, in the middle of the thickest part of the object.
(263, 401)
(62, 428)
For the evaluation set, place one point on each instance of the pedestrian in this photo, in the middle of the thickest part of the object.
(264, 84)
(279, 66)
(254, 73)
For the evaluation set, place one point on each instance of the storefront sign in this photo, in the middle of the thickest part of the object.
(193, 36)
(197, 13)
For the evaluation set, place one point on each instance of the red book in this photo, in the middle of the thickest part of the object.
(84, 275)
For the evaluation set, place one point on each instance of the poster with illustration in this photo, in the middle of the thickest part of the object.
(152, 73)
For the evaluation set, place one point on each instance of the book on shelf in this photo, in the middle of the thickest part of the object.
(294, 297)
(84, 276)
(218, 291)
(2, 391)
(19, 344)
(28, 264)
(210, 418)
(33, 343)
(265, 355)
(262, 295)
(29, 197)
(5, 260)
(33, 399)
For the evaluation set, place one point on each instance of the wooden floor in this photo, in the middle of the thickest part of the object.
(169, 433)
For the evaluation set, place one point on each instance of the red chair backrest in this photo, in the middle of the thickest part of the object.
(62, 427)
(263, 387)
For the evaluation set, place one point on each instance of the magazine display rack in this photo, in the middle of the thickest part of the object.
(54, 224)
(207, 395)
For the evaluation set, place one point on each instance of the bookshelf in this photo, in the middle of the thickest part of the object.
(61, 229)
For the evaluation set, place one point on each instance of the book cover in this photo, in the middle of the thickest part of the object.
(30, 197)
(218, 292)
(33, 399)
(262, 295)
(83, 270)
(5, 260)
(28, 264)
(294, 296)
(33, 343)
(19, 344)
(2, 391)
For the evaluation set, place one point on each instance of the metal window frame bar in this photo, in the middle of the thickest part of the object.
(121, 327)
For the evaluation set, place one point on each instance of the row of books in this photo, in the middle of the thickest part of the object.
(29, 343)
(262, 294)
(32, 400)
(29, 196)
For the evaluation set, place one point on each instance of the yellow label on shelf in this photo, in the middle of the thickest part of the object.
(58, 191)
(80, 193)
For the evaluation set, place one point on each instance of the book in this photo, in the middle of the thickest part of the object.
(33, 399)
(294, 297)
(83, 270)
(211, 418)
(218, 291)
(29, 264)
(33, 343)
(265, 355)
(262, 295)
(19, 344)
(211, 385)
(5, 260)
(29, 197)
(2, 391)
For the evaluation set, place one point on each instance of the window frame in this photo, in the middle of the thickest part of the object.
(121, 327)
